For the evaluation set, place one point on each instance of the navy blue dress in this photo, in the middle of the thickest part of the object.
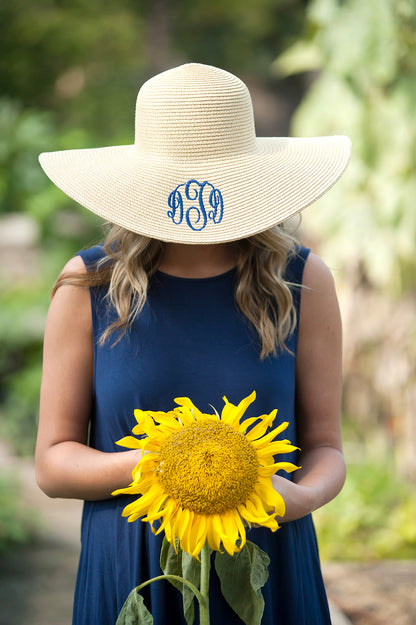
(189, 340)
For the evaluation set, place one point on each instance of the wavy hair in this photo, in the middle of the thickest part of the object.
(262, 293)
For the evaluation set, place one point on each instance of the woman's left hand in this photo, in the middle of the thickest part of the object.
(299, 500)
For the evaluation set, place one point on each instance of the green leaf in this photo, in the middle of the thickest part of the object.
(303, 56)
(191, 570)
(134, 612)
(242, 577)
(171, 561)
(181, 563)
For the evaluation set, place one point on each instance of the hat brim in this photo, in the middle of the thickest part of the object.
(259, 189)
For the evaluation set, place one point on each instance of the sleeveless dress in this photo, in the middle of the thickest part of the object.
(190, 340)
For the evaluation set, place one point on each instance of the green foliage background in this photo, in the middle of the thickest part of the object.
(69, 75)
(364, 56)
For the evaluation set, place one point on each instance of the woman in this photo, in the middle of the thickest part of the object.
(198, 291)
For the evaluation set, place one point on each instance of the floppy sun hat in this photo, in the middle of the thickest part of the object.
(196, 172)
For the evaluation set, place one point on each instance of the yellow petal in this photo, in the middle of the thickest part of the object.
(271, 469)
(232, 414)
(234, 529)
(143, 502)
(270, 497)
(144, 420)
(143, 484)
(170, 536)
(256, 504)
(200, 535)
(259, 429)
(231, 534)
(137, 429)
(175, 522)
(241, 528)
(185, 517)
(246, 424)
(187, 530)
(271, 435)
(213, 537)
(155, 510)
(149, 458)
(184, 415)
(277, 447)
(163, 417)
(168, 513)
(129, 490)
(130, 442)
(267, 471)
(135, 508)
(187, 403)
(246, 511)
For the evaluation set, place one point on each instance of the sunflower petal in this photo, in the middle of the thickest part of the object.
(167, 418)
(270, 497)
(259, 430)
(182, 527)
(248, 515)
(155, 510)
(232, 414)
(246, 424)
(267, 438)
(130, 442)
(133, 489)
(200, 535)
(168, 513)
(184, 415)
(271, 469)
(240, 528)
(213, 537)
(187, 403)
(231, 534)
(186, 536)
(277, 447)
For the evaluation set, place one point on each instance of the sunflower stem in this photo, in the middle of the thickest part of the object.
(204, 586)
(177, 578)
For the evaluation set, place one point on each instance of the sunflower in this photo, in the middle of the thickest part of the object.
(204, 477)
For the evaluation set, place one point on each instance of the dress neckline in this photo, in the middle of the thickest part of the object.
(220, 276)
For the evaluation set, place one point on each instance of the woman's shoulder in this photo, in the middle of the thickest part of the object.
(75, 264)
(84, 260)
(317, 274)
(319, 309)
(69, 290)
(70, 305)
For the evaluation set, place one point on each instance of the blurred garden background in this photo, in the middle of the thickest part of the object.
(69, 75)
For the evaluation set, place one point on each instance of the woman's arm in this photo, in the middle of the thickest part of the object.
(65, 465)
(318, 397)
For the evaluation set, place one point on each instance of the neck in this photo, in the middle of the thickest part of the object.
(198, 261)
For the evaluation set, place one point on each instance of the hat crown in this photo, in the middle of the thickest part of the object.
(195, 112)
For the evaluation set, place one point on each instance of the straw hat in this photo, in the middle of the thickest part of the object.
(197, 173)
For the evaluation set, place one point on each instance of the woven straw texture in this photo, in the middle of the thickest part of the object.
(196, 172)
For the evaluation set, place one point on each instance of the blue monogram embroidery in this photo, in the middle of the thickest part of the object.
(196, 216)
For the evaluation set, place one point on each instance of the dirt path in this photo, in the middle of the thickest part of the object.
(37, 581)
(378, 593)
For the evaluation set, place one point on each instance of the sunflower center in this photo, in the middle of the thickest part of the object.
(208, 467)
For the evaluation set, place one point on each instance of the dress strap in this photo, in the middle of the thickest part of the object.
(91, 256)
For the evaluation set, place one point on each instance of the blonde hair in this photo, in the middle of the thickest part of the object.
(262, 293)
